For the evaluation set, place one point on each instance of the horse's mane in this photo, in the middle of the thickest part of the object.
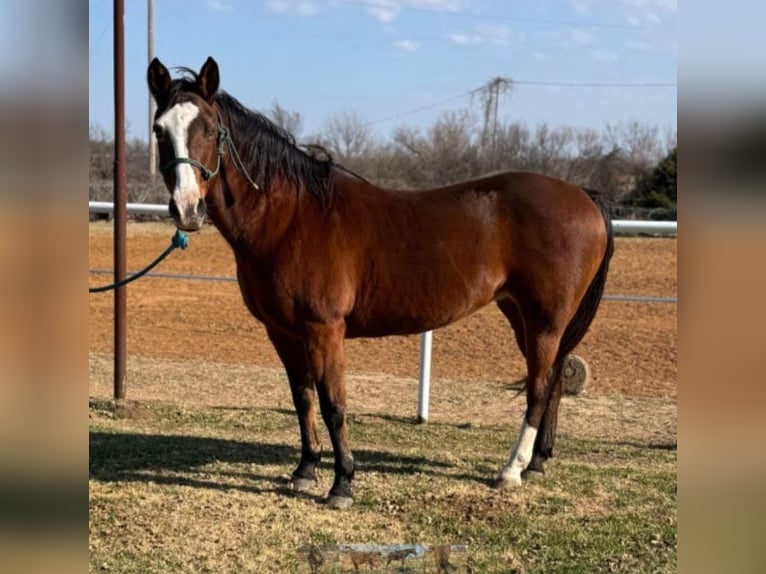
(267, 151)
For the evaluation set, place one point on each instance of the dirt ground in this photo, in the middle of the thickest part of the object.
(631, 348)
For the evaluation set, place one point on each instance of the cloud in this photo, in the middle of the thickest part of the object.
(386, 11)
(581, 6)
(385, 14)
(302, 8)
(493, 34)
(651, 11)
(407, 45)
(459, 39)
(664, 5)
(278, 6)
(604, 56)
(218, 6)
(653, 17)
(581, 37)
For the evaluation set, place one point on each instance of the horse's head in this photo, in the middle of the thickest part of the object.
(189, 137)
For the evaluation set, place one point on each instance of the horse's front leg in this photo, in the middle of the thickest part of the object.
(325, 357)
(293, 355)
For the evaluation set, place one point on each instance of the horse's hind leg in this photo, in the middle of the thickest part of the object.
(542, 339)
(546, 435)
(293, 356)
(511, 311)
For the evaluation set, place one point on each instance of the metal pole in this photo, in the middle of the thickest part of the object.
(120, 201)
(152, 105)
(424, 388)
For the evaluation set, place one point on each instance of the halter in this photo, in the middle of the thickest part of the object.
(223, 137)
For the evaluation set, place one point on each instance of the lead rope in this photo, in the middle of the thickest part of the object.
(238, 164)
(180, 239)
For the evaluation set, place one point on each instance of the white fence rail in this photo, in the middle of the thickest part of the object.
(620, 226)
(133, 208)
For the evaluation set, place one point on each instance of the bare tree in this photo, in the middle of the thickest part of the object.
(446, 154)
(547, 149)
(291, 122)
(639, 142)
(671, 140)
(348, 136)
(511, 148)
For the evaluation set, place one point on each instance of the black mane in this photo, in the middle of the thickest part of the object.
(267, 151)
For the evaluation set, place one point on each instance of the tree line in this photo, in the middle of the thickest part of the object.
(633, 164)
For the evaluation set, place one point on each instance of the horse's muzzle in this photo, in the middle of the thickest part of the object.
(191, 218)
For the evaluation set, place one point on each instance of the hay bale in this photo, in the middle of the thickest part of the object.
(576, 375)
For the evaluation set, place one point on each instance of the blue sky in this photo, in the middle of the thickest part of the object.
(386, 59)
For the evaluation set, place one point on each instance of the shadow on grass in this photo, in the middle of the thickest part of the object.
(135, 457)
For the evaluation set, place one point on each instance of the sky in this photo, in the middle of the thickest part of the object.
(582, 63)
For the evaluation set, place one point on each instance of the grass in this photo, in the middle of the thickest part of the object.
(204, 489)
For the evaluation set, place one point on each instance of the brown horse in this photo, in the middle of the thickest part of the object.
(323, 255)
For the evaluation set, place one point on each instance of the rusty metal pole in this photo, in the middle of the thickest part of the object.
(120, 201)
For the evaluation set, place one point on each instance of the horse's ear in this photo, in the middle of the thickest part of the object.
(158, 78)
(208, 79)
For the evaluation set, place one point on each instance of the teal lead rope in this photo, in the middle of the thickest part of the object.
(180, 239)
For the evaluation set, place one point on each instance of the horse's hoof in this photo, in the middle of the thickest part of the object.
(531, 475)
(340, 502)
(302, 484)
(506, 484)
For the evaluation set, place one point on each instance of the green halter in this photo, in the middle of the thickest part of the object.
(223, 138)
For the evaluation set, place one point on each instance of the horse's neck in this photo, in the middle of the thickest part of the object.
(253, 221)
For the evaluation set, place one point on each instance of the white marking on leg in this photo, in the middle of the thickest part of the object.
(175, 122)
(521, 455)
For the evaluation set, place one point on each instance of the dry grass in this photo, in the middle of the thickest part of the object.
(191, 474)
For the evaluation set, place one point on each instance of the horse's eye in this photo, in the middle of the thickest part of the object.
(157, 131)
(210, 132)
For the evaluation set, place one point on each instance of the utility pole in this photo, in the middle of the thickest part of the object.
(152, 105)
(490, 95)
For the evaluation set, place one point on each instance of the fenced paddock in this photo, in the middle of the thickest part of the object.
(190, 473)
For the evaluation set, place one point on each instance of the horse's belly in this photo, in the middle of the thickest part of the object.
(405, 312)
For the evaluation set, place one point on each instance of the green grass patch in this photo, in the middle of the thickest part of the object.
(195, 489)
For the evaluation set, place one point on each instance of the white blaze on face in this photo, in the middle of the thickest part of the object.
(175, 123)
(521, 455)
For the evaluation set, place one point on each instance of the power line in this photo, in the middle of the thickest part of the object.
(423, 108)
(597, 84)
(100, 37)
(524, 83)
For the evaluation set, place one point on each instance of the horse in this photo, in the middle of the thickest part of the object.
(323, 255)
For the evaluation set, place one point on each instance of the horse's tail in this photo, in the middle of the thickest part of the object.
(582, 319)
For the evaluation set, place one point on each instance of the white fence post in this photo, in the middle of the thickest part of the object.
(424, 387)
